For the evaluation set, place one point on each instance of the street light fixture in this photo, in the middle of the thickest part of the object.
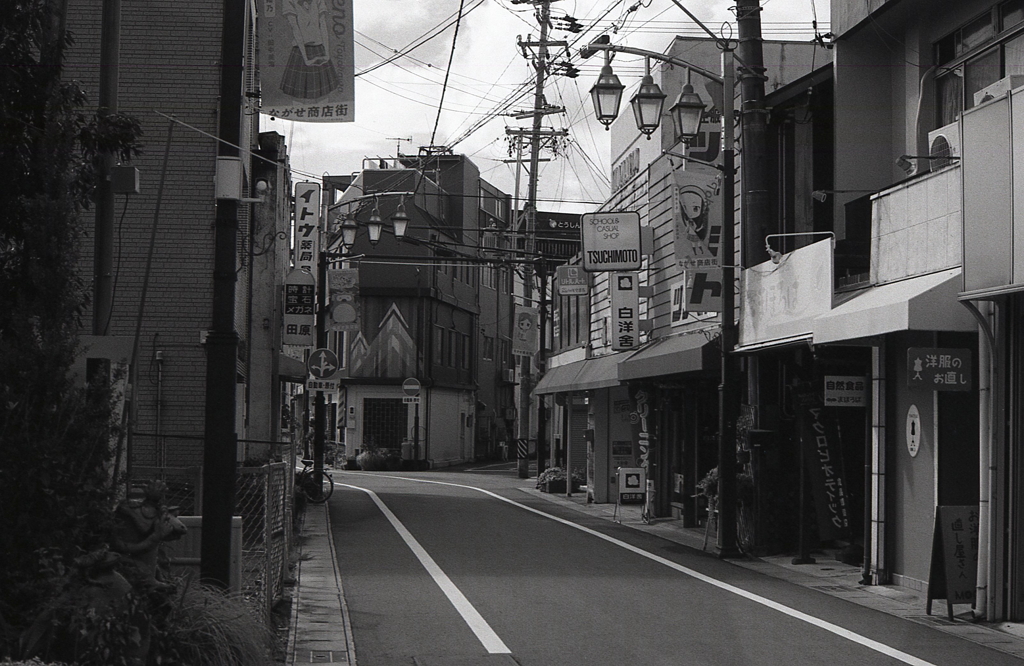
(648, 102)
(607, 94)
(374, 225)
(348, 232)
(400, 220)
(687, 112)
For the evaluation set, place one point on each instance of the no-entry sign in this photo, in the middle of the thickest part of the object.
(611, 241)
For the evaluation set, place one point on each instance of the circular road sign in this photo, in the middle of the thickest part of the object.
(411, 386)
(322, 363)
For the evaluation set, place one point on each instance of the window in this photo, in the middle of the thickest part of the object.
(452, 338)
(439, 345)
(488, 351)
(967, 69)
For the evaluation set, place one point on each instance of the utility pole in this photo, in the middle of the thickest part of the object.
(754, 125)
(540, 64)
(220, 440)
(103, 244)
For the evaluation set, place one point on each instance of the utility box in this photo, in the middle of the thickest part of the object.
(124, 180)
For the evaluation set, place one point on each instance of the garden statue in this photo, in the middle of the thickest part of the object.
(143, 526)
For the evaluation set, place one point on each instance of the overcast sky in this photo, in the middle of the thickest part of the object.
(401, 99)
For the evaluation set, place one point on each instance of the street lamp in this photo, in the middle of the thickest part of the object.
(400, 220)
(687, 112)
(648, 102)
(607, 94)
(348, 231)
(374, 225)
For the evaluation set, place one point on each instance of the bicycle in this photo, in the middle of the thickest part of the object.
(316, 485)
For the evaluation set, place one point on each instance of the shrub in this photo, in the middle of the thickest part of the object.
(372, 461)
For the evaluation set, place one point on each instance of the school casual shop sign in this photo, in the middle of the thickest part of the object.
(611, 241)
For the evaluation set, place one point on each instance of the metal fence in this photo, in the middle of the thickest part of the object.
(262, 499)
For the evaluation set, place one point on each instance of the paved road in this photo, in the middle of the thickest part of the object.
(461, 568)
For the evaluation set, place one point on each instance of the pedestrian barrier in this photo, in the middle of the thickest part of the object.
(261, 495)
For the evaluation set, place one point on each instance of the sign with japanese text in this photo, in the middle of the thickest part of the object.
(697, 216)
(572, 281)
(625, 302)
(299, 308)
(307, 226)
(321, 384)
(702, 290)
(343, 296)
(939, 369)
(526, 336)
(632, 484)
(820, 438)
(846, 391)
(611, 241)
(307, 70)
(954, 568)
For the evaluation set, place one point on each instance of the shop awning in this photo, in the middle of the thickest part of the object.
(586, 375)
(923, 303)
(290, 369)
(670, 356)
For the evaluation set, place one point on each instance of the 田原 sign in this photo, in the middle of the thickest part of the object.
(611, 241)
(939, 369)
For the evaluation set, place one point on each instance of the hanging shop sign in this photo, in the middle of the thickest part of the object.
(702, 291)
(299, 308)
(697, 216)
(526, 337)
(625, 302)
(343, 295)
(307, 226)
(846, 391)
(939, 369)
(572, 281)
(611, 241)
(306, 60)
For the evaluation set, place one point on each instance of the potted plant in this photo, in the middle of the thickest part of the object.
(553, 479)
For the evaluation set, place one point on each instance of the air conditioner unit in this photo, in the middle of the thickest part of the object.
(943, 144)
(998, 89)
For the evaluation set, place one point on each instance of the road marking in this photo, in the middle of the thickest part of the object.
(490, 640)
(738, 591)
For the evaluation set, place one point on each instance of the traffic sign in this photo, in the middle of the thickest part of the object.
(611, 241)
(411, 386)
(322, 364)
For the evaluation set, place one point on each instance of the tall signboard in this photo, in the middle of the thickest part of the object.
(343, 294)
(625, 302)
(299, 308)
(526, 337)
(307, 226)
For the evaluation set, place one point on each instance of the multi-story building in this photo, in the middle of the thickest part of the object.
(435, 307)
(170, 80)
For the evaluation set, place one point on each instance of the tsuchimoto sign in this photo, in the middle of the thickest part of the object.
(611, 241)
(625, 301)
(306, 65)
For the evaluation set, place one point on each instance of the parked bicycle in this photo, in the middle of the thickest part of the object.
(316, 485)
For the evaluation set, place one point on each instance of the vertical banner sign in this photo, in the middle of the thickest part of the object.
(299, 308)
(697, 216)
(625, 301)
(820, 439)
(953, 573)
(939, 369)
(307, 226)
(526, 337)
(306, 64)
(638, 421)
(343, 296)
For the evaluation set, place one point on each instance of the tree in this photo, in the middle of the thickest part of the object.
(56, 490)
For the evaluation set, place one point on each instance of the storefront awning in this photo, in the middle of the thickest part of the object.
(923, 303)
(586, 375)
(290, 369)
(670, 356)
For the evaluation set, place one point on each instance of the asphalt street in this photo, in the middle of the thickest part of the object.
(453, 568)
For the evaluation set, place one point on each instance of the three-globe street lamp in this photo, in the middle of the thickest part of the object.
(687, 112)
(349, 227)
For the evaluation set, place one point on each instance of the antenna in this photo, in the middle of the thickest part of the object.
(398, 144)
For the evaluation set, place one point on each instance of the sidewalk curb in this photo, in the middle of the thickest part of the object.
(341, 591)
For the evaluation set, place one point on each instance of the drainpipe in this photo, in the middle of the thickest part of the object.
(987, 370)
(162, 454)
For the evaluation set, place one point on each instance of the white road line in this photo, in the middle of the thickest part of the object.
(756, 598)
(490, 640)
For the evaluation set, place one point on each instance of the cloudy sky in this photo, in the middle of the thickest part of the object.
(490, 79)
